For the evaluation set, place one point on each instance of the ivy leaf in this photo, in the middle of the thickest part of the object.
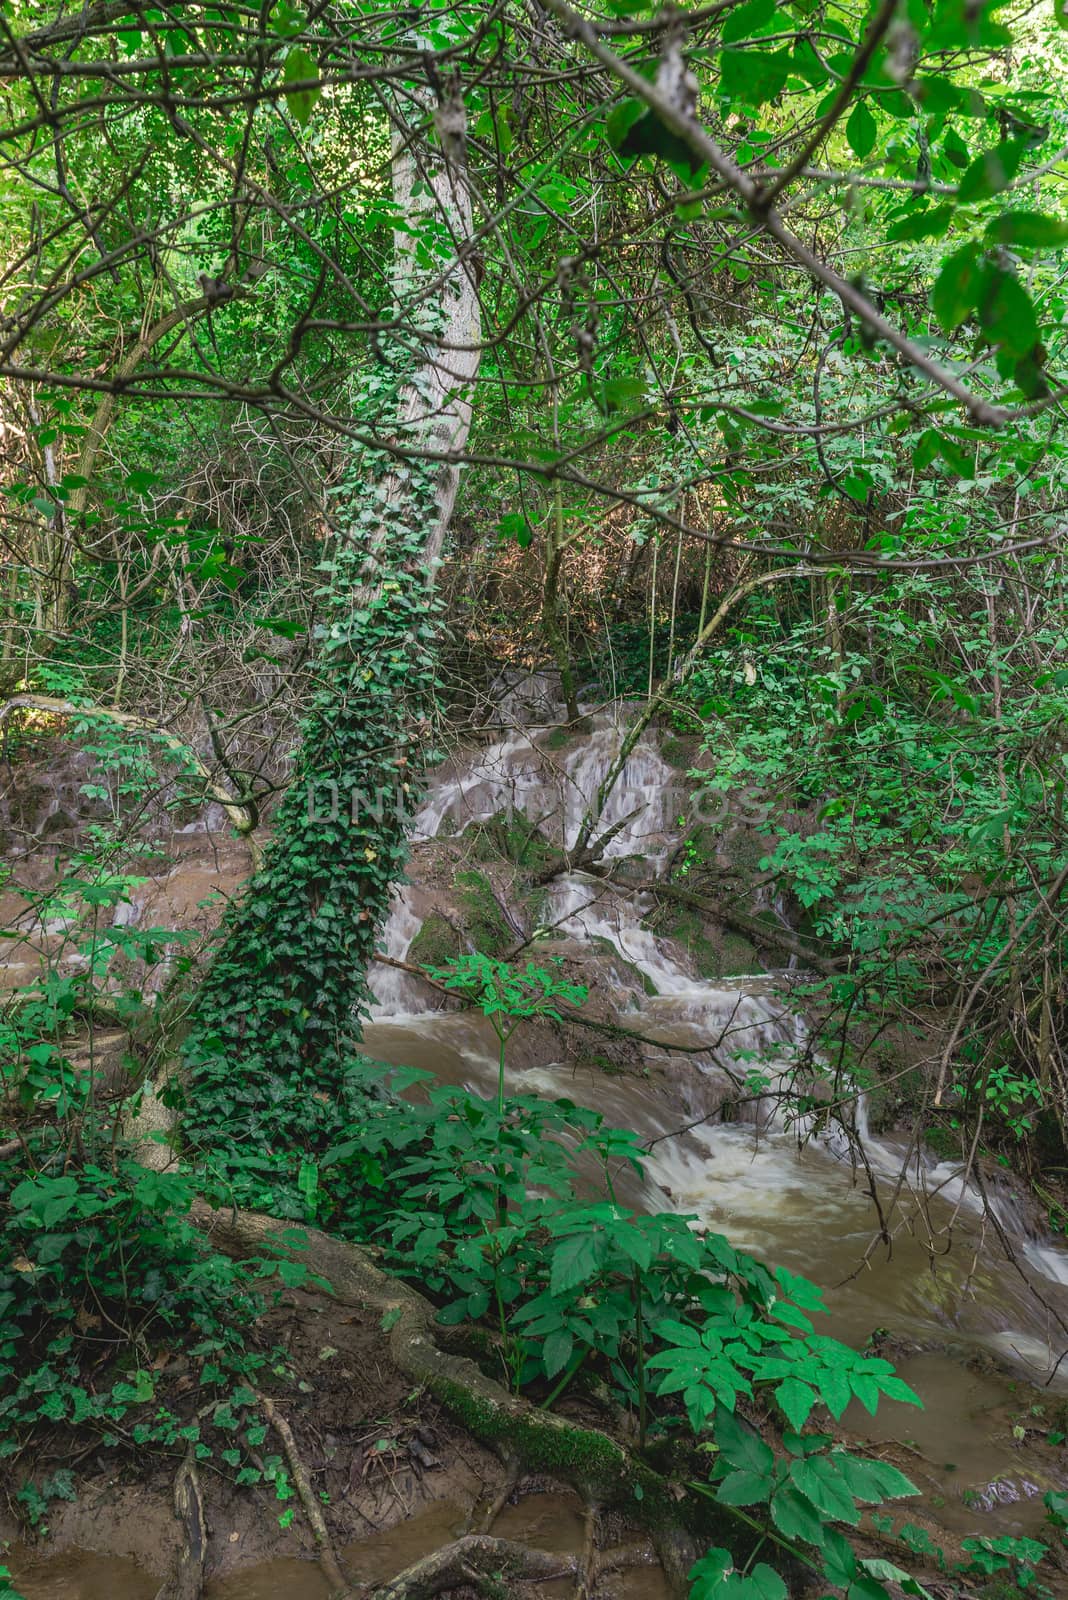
(861, 130)
(300, 66)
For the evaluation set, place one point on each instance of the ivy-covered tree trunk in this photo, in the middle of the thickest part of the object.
(276, 1019)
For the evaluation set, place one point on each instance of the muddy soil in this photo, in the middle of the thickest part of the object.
(397, 1480)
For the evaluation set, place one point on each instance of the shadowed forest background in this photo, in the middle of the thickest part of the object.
(533, 688)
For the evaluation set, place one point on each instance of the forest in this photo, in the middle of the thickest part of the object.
(533, 843)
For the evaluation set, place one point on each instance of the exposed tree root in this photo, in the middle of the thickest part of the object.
(488, 1516)
(586, 1576)
(327, 1556)
(601, 1469)
(187, 1579)
(491, 1565)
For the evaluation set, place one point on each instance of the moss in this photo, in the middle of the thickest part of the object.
(739, 955)
(507, 837)
(567, 733)
(942, 1141)
(482, 919)
(435, 944)
(716, 952)
(641, 979)
(678, 752)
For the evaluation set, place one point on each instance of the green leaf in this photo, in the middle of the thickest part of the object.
(751, 77)
(929, 224)
(1006, 313)
(957, 287)
(1028, 230)
(877, 1567)
(575, 1261)
(861, 130)
(300, 66)
(715, 1577)
(992, 171)
(744, 1488)
(796, 1399)
(741, 1446)
(748, 20)
(621, 119)
(795, 1516)
(819, 1479)
(634, 130)
(556, 1351)
(873, 1481)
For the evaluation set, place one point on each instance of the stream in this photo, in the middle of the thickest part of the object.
(945, 1288)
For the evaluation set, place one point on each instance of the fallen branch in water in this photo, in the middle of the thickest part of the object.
(479, 1560)
(328, 1560)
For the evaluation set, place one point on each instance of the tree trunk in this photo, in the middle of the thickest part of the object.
(276, 1018)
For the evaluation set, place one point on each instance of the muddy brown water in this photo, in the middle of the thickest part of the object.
(985, 1330)
(552, 1522)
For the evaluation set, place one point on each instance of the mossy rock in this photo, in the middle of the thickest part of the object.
(641, 979)
(482, 919)
(716, 952)
(739, 955)
(677, 752)
(508, 837)
(436, 943)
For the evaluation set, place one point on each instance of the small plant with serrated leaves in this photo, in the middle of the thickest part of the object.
(508, 996)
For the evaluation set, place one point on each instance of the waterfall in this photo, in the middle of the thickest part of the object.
(784, 1185)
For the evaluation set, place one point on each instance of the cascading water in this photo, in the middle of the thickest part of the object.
(787, 1197)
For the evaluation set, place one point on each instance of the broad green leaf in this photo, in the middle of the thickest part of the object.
(992, 171)
(873, 1481)
(795, 1516)
(748, 20)
(1007, 314)
(895, 1388)
(1028, 230)
(876, 1567)
(744, 1488)
(556, 1351)
(862, 130)
(646, 135)
(796, 1399)
(575, 1261)
(741, 1446)
(957, 287)
(751, 77)
(300, 66)
(819, 1479)
(929, 224)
